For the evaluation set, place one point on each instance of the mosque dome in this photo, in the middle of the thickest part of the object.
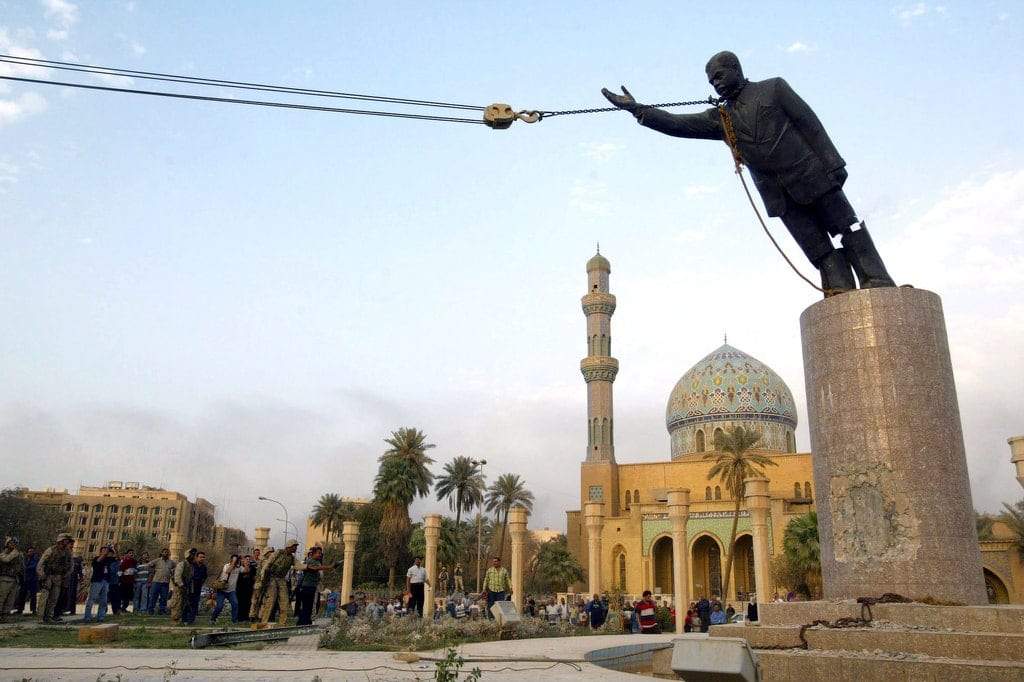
(599, 262)
(725, 389)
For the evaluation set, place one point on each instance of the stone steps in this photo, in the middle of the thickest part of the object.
(938, 643)
(1003, 618)
(843, 666)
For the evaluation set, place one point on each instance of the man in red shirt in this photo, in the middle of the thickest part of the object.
(647, 613)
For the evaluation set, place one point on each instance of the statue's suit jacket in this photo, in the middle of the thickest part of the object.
(780, 139)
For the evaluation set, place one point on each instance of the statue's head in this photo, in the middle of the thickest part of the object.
(725, 74)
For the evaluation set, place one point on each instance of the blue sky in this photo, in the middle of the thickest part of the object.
(234, 301)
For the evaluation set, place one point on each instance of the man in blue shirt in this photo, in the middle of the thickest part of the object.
(596, 612)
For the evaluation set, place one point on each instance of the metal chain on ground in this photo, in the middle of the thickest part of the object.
(866, 617)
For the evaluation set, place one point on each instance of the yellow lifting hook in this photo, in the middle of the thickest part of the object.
(500, 116)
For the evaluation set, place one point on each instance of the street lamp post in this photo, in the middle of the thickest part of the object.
(479, 526)
(293, 526)
(270, 499)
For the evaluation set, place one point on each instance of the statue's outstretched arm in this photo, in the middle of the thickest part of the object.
(707, 125)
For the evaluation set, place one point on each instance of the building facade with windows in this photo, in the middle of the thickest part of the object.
(98, 515)
(724, 389)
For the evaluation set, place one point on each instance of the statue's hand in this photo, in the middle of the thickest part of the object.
(623, 101)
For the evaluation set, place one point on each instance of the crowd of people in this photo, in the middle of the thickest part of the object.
(273, 585)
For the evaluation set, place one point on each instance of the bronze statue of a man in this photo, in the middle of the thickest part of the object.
(792, 161)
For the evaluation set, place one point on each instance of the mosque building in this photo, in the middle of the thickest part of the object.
(724, 389)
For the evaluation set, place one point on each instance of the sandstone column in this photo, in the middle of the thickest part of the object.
(350, 536)
(262, 537)
(431, 533)
(679, 513)
(894, 501)
(517, 531)
(594, 515)
(755, 490)
(1017, 456)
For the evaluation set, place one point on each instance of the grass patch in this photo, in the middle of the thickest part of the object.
(67, 637)
(410, 634)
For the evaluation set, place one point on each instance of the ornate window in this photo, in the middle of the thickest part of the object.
(127, 509)
(796, 490)
(143, 510)
(718, 434)
(83, 507)
(629, 497)
(622, 571)
(67, 507)
(807, 489)
(97, 508)
(156, 511)
(172, 511)
(707, 493)
(596, 493)
(636, 496)
(701, 445)
(718, 492)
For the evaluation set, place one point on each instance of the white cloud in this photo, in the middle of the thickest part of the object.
(972, 237)
(16, 108)
(589, 196)
(907, 13)
(9, 173)
(799, 47)
(690, 235)
(138, 48)
(601, 151)
(62, 15)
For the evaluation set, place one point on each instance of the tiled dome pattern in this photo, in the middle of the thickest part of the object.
(729, 386)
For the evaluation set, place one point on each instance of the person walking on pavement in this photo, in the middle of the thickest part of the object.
(99, 584)
(12, 573)
(181, 581)
(143, 583)
(53, 567)
(275, 588)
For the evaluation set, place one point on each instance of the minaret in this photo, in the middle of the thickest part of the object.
(599, 367)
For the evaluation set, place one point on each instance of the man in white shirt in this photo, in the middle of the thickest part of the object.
(415, 579)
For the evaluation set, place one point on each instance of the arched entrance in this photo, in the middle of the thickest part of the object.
(996, 589)
(661, 560)
(707, 567)
(743, 567)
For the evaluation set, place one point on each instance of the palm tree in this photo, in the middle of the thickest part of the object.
(327, 513)
(142, 542)
(404, 475)
(733, 462)
(505, 492)
(1014, 518)
(462, 484)
(983, 524)
(410, 445)
(802, 549)
(554, 567)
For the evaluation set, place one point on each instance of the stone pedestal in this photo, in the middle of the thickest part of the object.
(350, 536)
(894, 502)
(593, 515)
(1017, 456)
(432, 534)
(755, 492)
(517, 531)
(679, 514)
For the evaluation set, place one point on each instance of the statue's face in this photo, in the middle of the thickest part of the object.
(727, 80)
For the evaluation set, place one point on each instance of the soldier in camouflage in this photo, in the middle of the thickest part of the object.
(12, 573)
(259, 585)
(275, 588)
(53, 567)
(181, 584)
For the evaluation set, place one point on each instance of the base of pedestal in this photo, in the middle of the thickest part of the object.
(893, 498)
